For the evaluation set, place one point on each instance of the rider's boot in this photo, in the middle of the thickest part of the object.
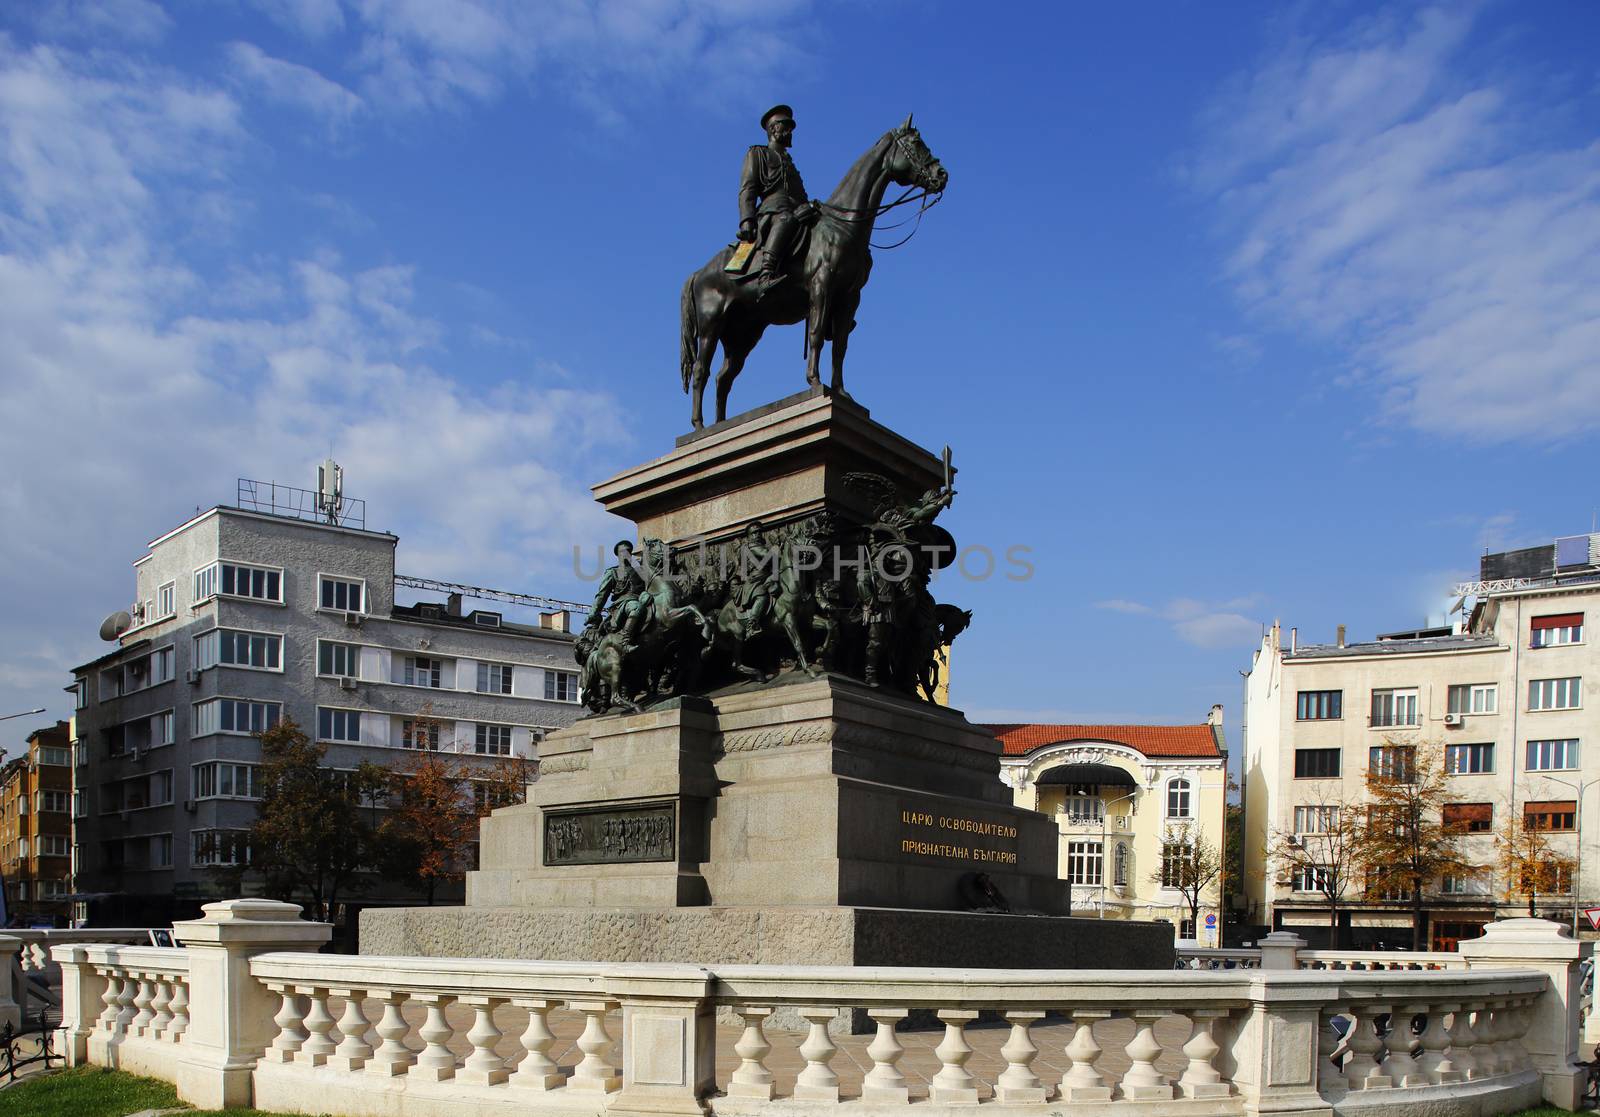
(630, 632)
(768, 273)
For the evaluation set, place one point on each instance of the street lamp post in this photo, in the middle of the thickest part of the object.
(22, 714)
(1577, 829)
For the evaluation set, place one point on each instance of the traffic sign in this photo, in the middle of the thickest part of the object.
(1211, 919)
(1593, 915)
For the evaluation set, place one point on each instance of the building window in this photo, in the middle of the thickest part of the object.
(1555, 694)
(342, 660)
(205, 583)
(493, 740)
(220, 847)
(1316, 764)
(494, 678)
(1468, 760)
(55, 845)
(1315, 820)
(1468, 884)
(219, 779)
(161, 729)
(1186, 928)
(54, 757)
(1552, 756)
(1468, 818)
(344, 595)
(160, 851)
(1393, 762)
(1319, 705)
(422, 735)
(235, 715)
(1473, 698)
(1083, 806)
(423, 671)
(1312, 878)
(235, 579)
(167, 601)
(161, 665)
(338, 725)
(1554, 814)
(1120, 866)
(260, 650)
(1561, 628)
(561, 686)
(1084, 863)
(1176, 858)
(1392, 708)
(1178, 798)
(56, 802)
(80, 695)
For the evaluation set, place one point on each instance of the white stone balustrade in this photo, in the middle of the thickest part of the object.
(419, 1036)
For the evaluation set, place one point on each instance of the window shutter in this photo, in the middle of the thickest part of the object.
(1550, 806)
(1557, 620)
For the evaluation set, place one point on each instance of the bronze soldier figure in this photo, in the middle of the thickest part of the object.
(775, 220)
(621, 586)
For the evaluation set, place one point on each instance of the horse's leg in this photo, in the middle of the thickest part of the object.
(710, 334)
(844, 320)
(736, 346)
(816, 328)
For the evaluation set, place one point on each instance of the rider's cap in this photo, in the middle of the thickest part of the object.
(783, 111)
(621, 543)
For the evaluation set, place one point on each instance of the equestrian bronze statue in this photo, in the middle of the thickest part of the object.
(795, 258)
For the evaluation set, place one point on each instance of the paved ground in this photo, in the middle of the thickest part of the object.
(919, 1064)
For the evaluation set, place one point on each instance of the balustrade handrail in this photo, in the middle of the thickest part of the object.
(164, 958)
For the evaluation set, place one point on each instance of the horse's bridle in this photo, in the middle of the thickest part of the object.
(919, 167)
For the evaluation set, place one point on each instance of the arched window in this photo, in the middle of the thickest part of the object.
(1120, 868)
(1178, 798)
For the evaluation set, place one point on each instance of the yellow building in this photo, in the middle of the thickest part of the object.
(1132, 801)
(36, 827)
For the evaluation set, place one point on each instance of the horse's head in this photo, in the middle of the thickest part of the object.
(912, 164)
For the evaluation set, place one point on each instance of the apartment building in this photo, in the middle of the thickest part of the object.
(245, 616)
(1127, 800)
(36, 828)
(1501, 692)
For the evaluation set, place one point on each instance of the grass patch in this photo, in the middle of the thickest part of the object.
(97, 1092)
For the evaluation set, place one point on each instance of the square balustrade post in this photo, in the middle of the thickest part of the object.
(10, 1011)
(1280, 950)
(82, 1001)
(1553, 1036)
(230, 1013)
(1273, 1046)
(669, 1039)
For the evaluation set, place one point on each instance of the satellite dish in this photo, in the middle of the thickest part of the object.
(115, 625)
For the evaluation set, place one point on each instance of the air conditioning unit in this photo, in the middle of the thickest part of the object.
(1122, 822)
(1452, 719)
(192, 677)
(346, 682)
(353, 620)
(188, 805)
(123, 815)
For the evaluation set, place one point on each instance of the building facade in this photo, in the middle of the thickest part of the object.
(1499, 695)
(36, 828)
(1129, 800)
(243, 618)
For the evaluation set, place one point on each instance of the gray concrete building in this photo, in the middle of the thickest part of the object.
(244, 617)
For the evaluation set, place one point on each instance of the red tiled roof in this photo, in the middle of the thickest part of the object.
(1152, 740)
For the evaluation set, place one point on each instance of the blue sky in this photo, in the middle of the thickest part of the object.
(1230, 312)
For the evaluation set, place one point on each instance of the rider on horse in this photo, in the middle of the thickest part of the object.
(775, 221)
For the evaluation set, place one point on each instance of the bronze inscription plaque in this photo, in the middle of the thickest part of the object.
(606, 835)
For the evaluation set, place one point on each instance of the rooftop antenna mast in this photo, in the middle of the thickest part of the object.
(330, 491)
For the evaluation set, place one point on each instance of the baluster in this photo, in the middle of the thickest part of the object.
(291, 1034)
(107, 1020)
(1487, 1024)
(1018, 1083)
(594, 1073)
(160, 1006)
(884, 1082)
(1400, 1065)
(1520, 1020)
(437, 1062)
(1506, 1053)
(1431, 1064)
(536, 1071)
(1142, 1081)
(1462, 1041)
(1329, 1041)
(1081, 1082)
(752, 1079)
(180, 1008)
(954, 1084)
(392, 1057)
(145, 993)
(319, 1022)
(125, 1007)
(353, 1050)
(1201, 1078)
(817, 1081)
(483, 1067)
(1361, 1068)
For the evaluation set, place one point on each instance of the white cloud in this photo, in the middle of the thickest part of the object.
(294, 84)
(1202, 624)
(139, 383)
(131, 21)
(1381, 196)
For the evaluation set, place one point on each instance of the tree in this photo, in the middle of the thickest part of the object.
(1403, 842)
(310, 839)
(1320, 850)
(1189, 863)
(506, 784)
(1528, 864)
(432, 822)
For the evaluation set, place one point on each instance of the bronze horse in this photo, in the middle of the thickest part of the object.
(825, 275)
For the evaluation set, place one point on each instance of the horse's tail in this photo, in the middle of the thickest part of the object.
(691, 332)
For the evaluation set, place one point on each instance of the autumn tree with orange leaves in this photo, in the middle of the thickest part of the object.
(431, 824)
